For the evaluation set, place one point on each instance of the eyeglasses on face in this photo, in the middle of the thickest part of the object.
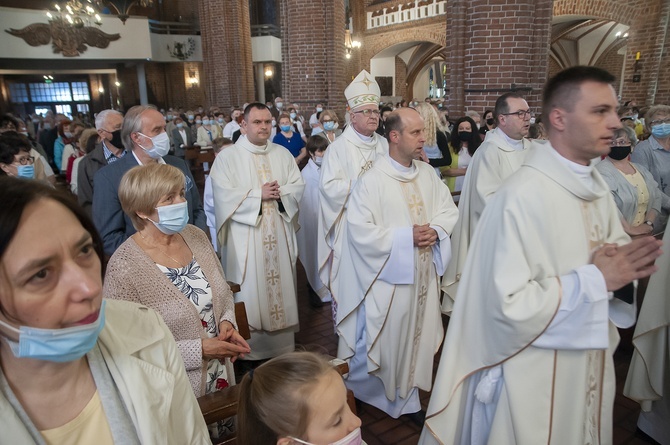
(660, 121)
(620, 142)
(24, 160)
(367, 113)
(521, 114)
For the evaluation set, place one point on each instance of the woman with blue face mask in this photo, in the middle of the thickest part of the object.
(171, 267)
(330, 124)
(290, 139)
(654, 155)
(73, 365)
(208, 131)
(15, 157)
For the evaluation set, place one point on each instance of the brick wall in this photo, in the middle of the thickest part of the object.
(612, 62)
(228, 77)
(400, 77)
(313, 56)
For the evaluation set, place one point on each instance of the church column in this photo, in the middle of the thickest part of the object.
(142, 84)
(226, 50)
(456, 43)
(313, 62)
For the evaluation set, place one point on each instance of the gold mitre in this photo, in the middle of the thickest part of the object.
(363, 90)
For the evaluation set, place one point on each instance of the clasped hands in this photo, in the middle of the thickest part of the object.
(622, 264)
(270, 191)
(229, 343)
(424, 235)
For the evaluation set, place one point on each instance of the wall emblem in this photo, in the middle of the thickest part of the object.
(180, 51)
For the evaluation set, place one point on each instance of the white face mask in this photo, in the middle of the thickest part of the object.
(161, 145)
(353, 438)
(318, 160)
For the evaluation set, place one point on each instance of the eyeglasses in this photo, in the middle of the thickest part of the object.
(25, 160)
(521, 114)
(367, 113)
(661, 121)
(621, 142)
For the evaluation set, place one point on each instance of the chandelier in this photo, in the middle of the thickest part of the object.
(349, 44)
(80, 13)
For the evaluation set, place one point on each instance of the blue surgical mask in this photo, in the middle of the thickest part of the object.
(161, 145)
(56, 345)
(220, 120)
(205, 122)
(25, 171)
(329, 126)
(319, 109)
(172, 218)
(198, 122)
(180, 125)
(661, 130)
(293, 115)
(285, 128)
(318, 160)
(190, 117)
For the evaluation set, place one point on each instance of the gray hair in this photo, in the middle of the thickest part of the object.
(629, 132)
(132, 123)
(472, 114)
(101, 118)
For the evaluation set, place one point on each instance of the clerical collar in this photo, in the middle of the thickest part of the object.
(401, 168)
(515, 144)
(583, 172)
(362, 137)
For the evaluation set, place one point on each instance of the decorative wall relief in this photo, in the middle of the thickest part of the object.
(180, 51)
(70, 40)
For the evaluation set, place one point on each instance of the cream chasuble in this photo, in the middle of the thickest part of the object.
(524, 363)
(389, 301)
(308, 234)
(648, 380)
(257, 242)
(494, 161)
(345, 161)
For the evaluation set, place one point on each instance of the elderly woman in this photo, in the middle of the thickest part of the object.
(207, 132)
(72, 365)
(171, 267)
(634, 190)
(290, 139)
(330, 124)
(654, 153)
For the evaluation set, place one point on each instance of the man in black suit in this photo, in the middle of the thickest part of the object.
(144, 137)
(181, 137)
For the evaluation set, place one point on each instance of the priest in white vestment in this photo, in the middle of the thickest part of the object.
(388, 319)
(500, 155)
(527, 357)
(648, 380)
(347, 159)
(308, 234)
(257, 187)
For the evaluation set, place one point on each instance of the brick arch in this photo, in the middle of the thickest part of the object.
(620, 11)
(373, 44)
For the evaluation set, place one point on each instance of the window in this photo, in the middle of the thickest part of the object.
(64, 109)
(18, 92)
(80, 91)
(42, 111)
(82, 108)
(50, 92)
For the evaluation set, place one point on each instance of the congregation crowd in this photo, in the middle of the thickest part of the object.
(529, 228)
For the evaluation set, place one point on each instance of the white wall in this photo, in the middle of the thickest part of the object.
(133, 44)
(265, 49)
(383, 67)
(422, 84)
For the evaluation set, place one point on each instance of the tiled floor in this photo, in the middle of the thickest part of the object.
(316, 334)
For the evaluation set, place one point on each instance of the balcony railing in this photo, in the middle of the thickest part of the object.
(174, 28)
(417, 10)
(265, 30)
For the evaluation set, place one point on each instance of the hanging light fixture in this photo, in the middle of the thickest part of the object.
(80, 13)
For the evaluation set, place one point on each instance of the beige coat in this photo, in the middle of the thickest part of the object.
(149, 374)
(133, 276)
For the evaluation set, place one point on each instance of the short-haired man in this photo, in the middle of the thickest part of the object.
(388, 319)
(528, 353)
(347, 159)
(110, 148)
(257, 187)
(231, 127)
(144, 137)
(501, 154)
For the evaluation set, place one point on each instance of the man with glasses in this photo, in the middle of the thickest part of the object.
(257, 186)
(501, 154)
(346, 160)
(110, 148)
(654, 153)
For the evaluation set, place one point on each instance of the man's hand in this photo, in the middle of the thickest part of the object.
(622, 264)
(270, 191)
(424, 236)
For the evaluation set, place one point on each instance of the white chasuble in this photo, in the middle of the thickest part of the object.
(543, 224)
(393, 316)
(347, 159)
(257, 241)
(648, 380)
(493, 162)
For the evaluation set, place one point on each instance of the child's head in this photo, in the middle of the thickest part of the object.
(220, 143)
(316, 147)
(292, 399)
